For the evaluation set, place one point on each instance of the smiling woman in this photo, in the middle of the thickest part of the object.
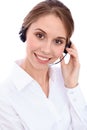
(45, 44)
(37, 96)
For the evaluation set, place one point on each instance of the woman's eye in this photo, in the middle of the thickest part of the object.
(59, 42)
(40, 35)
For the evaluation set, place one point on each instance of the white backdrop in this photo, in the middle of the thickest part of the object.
(12, 13)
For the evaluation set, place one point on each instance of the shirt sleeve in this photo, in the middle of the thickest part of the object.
(9, 120)
(78, 108)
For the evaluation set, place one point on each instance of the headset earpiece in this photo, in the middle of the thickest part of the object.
(67, 45)
(22, 34)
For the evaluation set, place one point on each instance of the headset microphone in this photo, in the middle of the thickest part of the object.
(65, 51)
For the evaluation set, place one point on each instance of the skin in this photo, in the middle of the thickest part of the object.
(45, 43)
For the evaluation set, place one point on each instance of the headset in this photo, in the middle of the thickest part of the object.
(68, 45)
(22, 35)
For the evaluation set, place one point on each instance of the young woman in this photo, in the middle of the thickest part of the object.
(39, 95)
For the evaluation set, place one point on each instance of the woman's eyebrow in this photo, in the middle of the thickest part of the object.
(60, 37)
(39, 29)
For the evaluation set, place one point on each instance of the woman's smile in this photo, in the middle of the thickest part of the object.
(42, 59)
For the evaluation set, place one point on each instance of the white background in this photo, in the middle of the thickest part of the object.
(12, 13)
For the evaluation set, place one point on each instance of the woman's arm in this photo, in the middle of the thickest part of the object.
(78, 105)
(78, 108)
(9, 119)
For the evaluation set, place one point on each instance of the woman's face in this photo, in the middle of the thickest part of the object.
(45, 39)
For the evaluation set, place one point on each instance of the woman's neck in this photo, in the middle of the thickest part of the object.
(41, 76)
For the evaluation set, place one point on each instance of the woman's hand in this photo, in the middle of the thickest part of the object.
(70, 70)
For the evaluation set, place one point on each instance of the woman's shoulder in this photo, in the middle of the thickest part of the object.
(5, 88)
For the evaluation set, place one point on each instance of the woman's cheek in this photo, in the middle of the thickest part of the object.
(59, 52)
(31, 45)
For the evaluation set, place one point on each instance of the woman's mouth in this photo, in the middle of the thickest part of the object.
(42, 59)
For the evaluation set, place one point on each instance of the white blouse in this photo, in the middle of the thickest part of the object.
(24, 106)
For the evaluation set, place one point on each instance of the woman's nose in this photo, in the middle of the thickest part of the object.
(46, 47)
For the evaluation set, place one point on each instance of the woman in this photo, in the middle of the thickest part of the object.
(39, 95)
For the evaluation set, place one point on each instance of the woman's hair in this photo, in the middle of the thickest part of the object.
(49, 7)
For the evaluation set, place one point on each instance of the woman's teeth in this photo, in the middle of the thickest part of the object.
(42, 58)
